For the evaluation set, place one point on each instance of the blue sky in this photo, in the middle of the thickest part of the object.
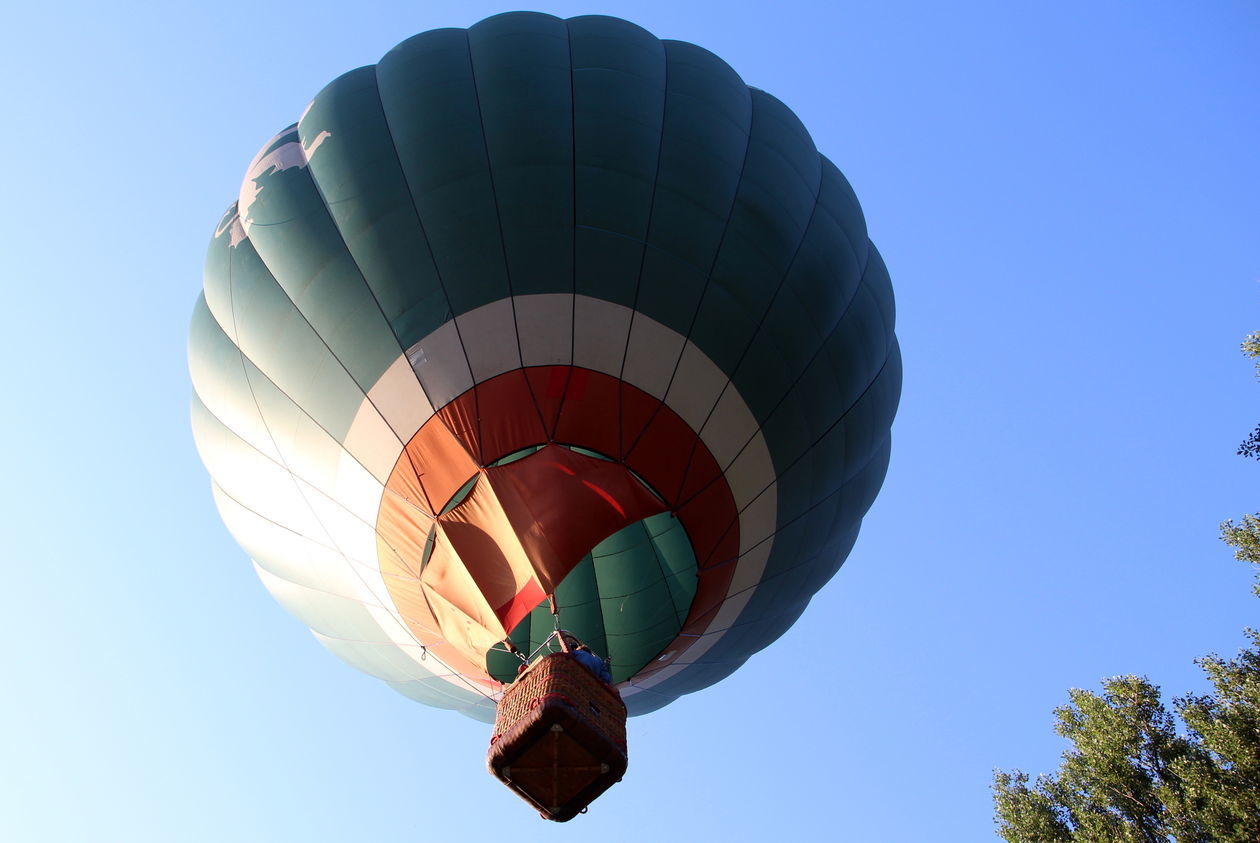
(1067, 197)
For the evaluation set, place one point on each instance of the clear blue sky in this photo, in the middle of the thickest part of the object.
(1067, 195)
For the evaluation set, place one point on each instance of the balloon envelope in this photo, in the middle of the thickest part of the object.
(544, 307)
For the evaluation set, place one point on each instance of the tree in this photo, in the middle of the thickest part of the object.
(1133, 775)
(1138, 774)
(1245, 539)
(1250, 446)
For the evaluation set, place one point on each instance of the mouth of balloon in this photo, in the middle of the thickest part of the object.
(477, 527)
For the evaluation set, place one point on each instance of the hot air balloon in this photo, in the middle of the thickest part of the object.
(544, 313)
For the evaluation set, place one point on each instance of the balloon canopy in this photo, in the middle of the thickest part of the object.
(544, 307)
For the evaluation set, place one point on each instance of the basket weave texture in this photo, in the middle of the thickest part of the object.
(559, 737)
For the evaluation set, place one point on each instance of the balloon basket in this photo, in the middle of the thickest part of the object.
(559, 737)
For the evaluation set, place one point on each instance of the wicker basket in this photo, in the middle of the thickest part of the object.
(559, 737)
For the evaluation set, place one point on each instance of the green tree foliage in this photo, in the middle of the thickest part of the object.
(1136, 772)
(1245, 539)
(1250, 446)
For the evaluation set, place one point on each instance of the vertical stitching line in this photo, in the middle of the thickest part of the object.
(647, 238)
(568, 375)
(437, 272)
(805, 232)
(507, 267)
(708, 279)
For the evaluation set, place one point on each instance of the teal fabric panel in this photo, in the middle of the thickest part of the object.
(841, 451)
(503, 665)
(429, 97)
(780, 354)
(226, 380)
(280, 341)
(216, 272)
(627, 599)
(292, 232)
(355, 166)
(841, 371)
(214, 362)
(816, 292)
(708, 112)
(521, 70)
(777, 193)
(806, 412)
(578, 599)
(841, 203)
(677, 561)
(860, 488)
(619, 81)
(845, 449)
(644, 578)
